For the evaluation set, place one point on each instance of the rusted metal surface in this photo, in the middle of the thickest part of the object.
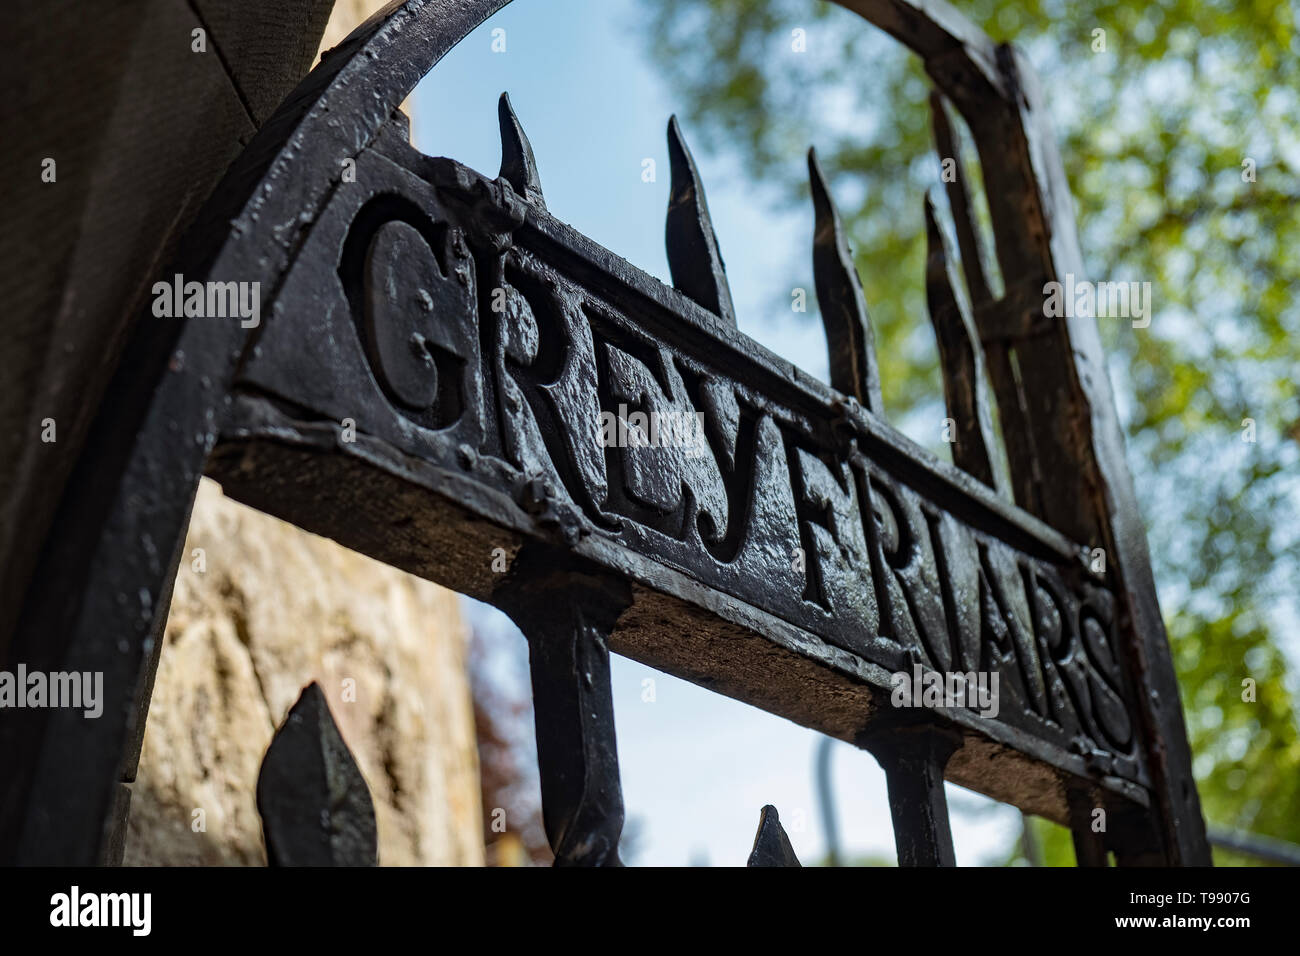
(436, 377)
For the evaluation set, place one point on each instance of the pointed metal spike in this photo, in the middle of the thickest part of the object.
(771, 845)
(1012, 402)
(959, 199)
(965, 385)
(693, 257)
(849, 338)
(315, 806)
(518, 166)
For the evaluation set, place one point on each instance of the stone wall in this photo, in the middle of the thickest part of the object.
(260, 609)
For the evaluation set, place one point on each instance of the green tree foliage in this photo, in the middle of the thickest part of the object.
(1181, 147)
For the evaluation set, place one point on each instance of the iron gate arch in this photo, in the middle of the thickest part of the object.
(910, 561)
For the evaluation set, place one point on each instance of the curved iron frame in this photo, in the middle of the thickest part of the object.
(109, 562)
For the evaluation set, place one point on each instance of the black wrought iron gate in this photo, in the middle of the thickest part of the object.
(436, 359)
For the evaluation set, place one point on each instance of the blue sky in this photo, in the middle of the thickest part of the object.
(696, 766)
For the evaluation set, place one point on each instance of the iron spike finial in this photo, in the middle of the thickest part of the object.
(518, 165)
(771, 845)
(315, 806)
(966, 391)
(959, 200)
(693, 257)
(850, 341)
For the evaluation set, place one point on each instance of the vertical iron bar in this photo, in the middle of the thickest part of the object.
(913, 758)
(1089, 844)
(960, 189)
(967, 395)
(567, 616)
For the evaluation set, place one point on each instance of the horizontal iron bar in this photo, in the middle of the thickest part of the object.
(450, 460)
(474, 342)
(671, 314)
